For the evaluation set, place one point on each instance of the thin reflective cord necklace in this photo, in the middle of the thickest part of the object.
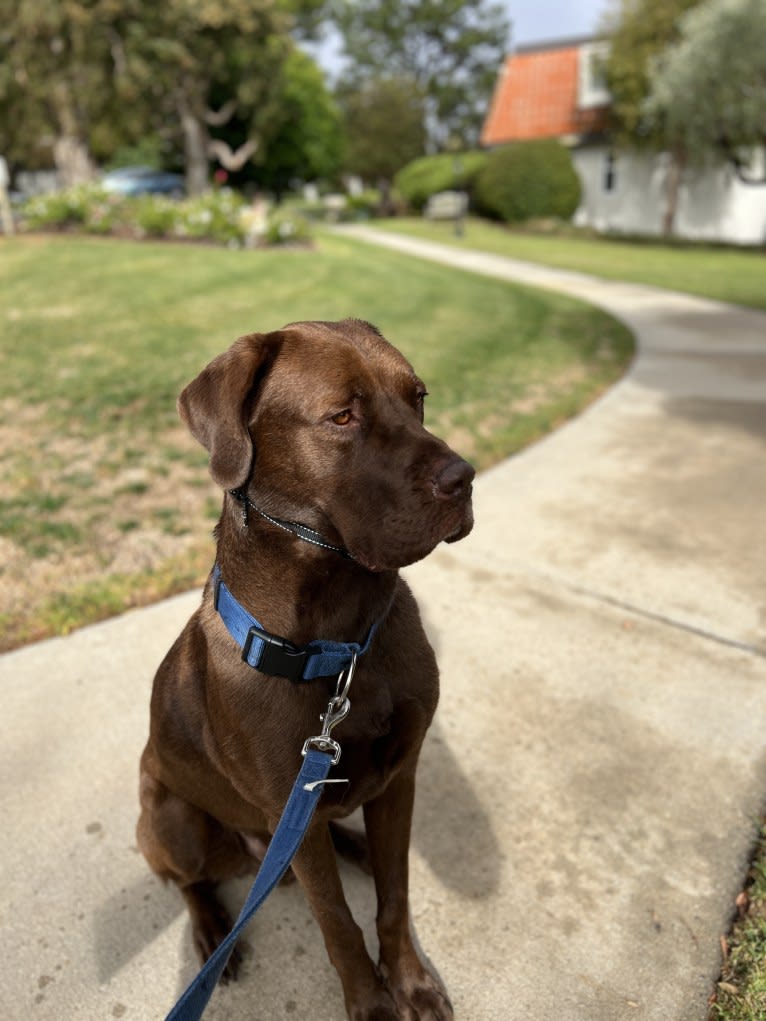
(295, 527)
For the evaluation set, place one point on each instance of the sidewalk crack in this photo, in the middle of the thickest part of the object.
(665, 619)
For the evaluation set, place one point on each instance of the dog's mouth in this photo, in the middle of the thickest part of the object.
(377, 561)
(463, 528)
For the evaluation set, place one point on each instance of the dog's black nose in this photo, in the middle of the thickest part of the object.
(454, 479)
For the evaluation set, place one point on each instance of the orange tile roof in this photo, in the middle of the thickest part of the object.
(536, 97)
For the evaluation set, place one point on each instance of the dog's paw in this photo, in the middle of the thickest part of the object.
(374, 1003)
(421, 997)
(205, 949)
(209, 930)
(379, 1012)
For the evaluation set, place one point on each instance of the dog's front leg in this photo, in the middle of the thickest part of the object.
(316, 867)
(418, 992)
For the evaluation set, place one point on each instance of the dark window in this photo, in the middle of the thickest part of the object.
(610, 172)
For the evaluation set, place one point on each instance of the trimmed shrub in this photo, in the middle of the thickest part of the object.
(447, 171)
(528, 179)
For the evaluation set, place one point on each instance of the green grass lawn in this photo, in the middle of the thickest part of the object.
(105, 500)
(725, 274)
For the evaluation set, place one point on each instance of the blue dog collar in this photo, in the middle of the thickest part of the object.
(277, 656)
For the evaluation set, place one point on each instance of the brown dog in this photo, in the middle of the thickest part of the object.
(322, 424)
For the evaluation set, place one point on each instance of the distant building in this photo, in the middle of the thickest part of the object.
(558, 90)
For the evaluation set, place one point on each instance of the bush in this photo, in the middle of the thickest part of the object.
(286, 226)
(336, 207)
(68, 208)
(153, 215)
(217, 216)
(365, 204)
(447, 171)
(213, 216)
(528, 179)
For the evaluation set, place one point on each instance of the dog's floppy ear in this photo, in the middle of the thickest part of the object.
(215, 406)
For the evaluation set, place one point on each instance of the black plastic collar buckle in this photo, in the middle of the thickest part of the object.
(279, 657)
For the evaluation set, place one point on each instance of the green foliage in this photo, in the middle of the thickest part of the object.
(67, 208)
(303, 137)
(214, 216)
(385, 126)
(708, 90)
(53, 78)
(153, 215)
(147, 152)
(528, 179)
(639, 30)
(87, 80)
(287, 227)
(335, 208)
(431, 174)
(365, 204)
(450, 49)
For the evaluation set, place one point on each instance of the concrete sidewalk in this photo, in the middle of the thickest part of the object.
(588, 795)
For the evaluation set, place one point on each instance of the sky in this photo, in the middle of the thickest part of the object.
(536, 21)
(533, 21)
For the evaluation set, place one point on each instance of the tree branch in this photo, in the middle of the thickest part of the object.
(232, 161)
(219, 117)
(740, 166)
(754, 182)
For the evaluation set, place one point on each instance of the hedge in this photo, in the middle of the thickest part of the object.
(528, 179)
(446, 171)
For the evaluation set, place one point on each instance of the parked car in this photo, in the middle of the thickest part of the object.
(142, 181)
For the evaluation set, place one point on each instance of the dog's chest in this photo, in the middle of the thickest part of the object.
(375, 738)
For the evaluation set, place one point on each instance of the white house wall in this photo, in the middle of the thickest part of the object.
(713, 204)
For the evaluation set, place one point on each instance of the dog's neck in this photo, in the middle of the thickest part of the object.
(294, 588)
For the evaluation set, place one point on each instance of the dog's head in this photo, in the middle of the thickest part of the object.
(323, 423)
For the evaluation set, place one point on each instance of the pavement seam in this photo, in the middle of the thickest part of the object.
(676, 623)
(664, 619)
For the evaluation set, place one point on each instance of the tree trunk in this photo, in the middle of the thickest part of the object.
(675, 176)
(73, 162)
(70, 151)
(387, 206)
(196, 142)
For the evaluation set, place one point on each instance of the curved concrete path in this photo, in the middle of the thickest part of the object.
(588, 796)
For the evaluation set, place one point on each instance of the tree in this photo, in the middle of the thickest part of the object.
(450, 49)
(203, 63)
(708, 90)
(109, 72)
(639, 31)
(53, 77)
(302, 132)
(385, 128)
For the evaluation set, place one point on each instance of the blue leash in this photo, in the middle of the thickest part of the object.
(320, 754)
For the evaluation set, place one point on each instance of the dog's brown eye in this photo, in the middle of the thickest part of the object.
(343, 417)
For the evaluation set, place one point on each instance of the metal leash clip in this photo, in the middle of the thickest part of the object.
(337, 709)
